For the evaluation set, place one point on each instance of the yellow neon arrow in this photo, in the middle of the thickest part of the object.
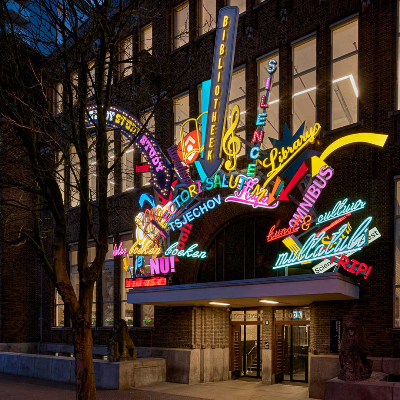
(373, 139)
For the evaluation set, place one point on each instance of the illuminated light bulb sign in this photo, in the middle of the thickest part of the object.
(224, 52)
(362, 267)
(162, 265)
(145, 282)
(182, 170)
(326, 264)
(244, 197)
(142, 167)
(341, 208)
(312, 193)
(190, 253)
(195, 213)
(160, 168)
(313, 249)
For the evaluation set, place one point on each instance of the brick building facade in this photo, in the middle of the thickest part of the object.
(270, 28)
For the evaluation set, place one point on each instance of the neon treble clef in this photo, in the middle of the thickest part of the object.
(231, 144)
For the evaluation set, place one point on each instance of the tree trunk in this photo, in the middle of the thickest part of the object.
(84, 371)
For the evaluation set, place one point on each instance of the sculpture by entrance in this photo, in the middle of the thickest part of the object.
(354, 365)
(120, 345)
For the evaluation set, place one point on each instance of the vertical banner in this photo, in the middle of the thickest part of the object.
(224, 53)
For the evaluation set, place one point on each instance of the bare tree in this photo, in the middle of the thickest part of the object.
(68, 54)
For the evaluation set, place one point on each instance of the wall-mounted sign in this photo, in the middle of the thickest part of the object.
(190, 252)
(354, 267)
(142, 167)
(162, 265)
(160, 168)
(313, 249)
(119, 251)
(341, 208)
(145, 282)
(148, 250)
(224, 52)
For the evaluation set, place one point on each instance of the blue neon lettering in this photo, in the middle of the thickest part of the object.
(256, 150)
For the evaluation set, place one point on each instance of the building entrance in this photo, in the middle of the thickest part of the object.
(291, 341)
(245, 349)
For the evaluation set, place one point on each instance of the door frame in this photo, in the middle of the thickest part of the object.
(290, 322)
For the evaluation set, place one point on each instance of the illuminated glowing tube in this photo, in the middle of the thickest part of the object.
(313, 249)
(185, 253)
(341, 208)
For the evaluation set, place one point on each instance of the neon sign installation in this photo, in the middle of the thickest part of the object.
(343, 261)
(231, 144)
(273, 235)
(145, 282)
(183, 170)
(182, 253)
(147, 250)
(195, 213)
(341, 208)
(224, 51)
(119, 251)
(313, 249)
(244, 196)
(334, 223)
(312, 194)
(162, 265)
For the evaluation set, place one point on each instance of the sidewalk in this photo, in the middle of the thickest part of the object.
(14, 387)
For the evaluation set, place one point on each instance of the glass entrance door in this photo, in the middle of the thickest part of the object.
(251, 351)
(296, 353)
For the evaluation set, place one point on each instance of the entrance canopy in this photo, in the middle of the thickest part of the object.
(286, 290)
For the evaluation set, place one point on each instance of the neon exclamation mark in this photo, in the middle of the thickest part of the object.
(367, 273)
(172, 263)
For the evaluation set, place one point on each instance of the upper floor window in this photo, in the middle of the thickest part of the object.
(181, 114)
(181, 25)
(241, 4)
(397, 258)
(74, 86)
(304, 84)
(110, 180)
(237, 95)
(126, 53)
(107, 284)
(60, 174)
(271, 128)
(58, 320)
(146, 38)
(128, 165)
(207, 16)
(344, 93)
(91, 79)
(58, 98)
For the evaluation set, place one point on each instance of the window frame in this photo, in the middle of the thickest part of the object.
(334, 27)
(200, 22)
(178, 96)
(294, 44)
(144, 28)
(176, 9)
(125, 71)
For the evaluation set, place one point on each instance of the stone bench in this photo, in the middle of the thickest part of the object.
(108, 375)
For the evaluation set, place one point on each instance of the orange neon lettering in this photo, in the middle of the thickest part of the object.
(214, 117)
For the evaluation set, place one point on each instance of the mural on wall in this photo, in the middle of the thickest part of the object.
(318, 243)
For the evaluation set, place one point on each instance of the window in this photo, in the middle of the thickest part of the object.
(344, 93)
(207, 16)
(91, 79)
(147, 315)
(146, 38)
(397, 258)
(59, 311)
(150, 127)
(126, 56)
(107, 277)
(110, 179)
(58, 98)
(74, 274)
(92, 168)
(126, 308)
(128, 165)
(304, 84)
(241, 4)
(181, 114)
(271, 127)
(74, 178)
(60, 174)
(237, 96)
(106, 69)
(181, 25)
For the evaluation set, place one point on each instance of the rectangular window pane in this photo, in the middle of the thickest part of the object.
(241, 4)
(110, 180)
(126, 57)
(146, 38)
(304, 56)
(126, 308)
(207, 16)
(128, 169)
(145, 176)
(271, 128)
(58, 98)
(59, 310)
(108, 293)
(181, 25)
(345, 92)
(91, 79)
(304, 100)
(74, 84)
(345, 39)
(181, 114)
(147, 315)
